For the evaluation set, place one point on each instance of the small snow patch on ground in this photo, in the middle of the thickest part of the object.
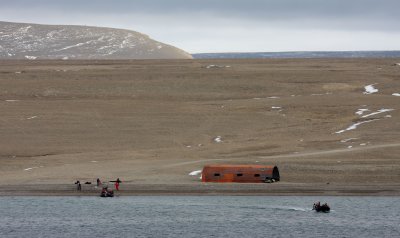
(370, 89)
(274, 107)
(195, 173)
(218, 139)
(361, 111)
(27, 169)
(214, 66)
(273, 97)
(94, 161)
(11, 100)
(29, 118)
(396, 94)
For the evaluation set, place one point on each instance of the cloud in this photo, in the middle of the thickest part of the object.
(257, 9)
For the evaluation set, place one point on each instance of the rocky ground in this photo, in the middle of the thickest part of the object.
(323, 122)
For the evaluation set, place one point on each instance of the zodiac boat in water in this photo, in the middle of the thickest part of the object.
(321, 208)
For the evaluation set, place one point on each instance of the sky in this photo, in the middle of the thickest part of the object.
(204, 26)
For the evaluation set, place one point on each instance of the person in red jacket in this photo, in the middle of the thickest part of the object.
(117, 184)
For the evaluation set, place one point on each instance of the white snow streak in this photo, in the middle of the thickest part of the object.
(71, 46)
(354, 126)
(347, 140)
(378, 112)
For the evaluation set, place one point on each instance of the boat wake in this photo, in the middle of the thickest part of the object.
(290, 208)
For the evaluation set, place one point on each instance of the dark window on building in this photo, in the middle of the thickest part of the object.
(217, 174)
(257, 175)
(239, 175)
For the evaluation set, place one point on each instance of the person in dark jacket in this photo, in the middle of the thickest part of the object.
(78, 185)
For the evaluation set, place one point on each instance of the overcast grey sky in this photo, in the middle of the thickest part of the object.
(230, 25)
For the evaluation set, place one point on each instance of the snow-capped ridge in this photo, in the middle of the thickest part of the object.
(35, 41)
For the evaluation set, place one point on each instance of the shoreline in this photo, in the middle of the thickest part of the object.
(277, 189)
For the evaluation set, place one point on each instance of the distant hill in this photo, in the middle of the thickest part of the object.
(301, 54)
(34, 41)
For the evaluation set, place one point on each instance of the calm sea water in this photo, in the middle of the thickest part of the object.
(204, 216)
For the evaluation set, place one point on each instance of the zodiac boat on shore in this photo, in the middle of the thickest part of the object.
(106, 193)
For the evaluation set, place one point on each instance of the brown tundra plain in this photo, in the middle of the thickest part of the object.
(332, 126)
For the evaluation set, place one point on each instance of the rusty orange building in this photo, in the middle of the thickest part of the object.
(239, 173)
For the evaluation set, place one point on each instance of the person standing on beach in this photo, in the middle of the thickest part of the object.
(78, 185)
(98, 182)
(117, 184)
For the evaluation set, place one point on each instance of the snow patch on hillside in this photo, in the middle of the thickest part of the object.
(30, 57)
